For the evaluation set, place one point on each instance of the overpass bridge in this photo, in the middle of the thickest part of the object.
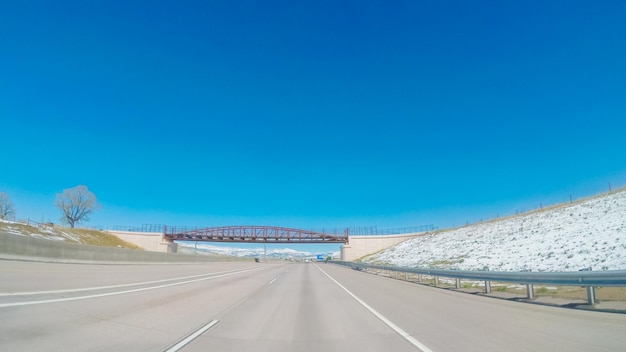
(353, 246)
(253, 234)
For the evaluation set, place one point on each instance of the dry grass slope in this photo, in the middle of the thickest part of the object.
(83, 236)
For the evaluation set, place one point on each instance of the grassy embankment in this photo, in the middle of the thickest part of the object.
(83, 236)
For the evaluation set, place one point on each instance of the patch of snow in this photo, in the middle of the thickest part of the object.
(47, 237)
(70, 236)
(591, 233)
(13, 231)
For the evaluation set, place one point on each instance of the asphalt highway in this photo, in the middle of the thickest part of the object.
(272, 307)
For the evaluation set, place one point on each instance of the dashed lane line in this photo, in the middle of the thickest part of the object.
(192, 337)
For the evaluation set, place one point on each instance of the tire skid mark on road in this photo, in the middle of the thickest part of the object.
(382, 318)
(67, 299)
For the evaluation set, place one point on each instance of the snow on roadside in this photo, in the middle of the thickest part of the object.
(13, 231)
(591, 233)
(71, 237)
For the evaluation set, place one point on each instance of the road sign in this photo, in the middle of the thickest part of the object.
(320, 257)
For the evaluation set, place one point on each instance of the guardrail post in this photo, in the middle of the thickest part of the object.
(591, 295)
(419, 278)
(457, 283)
(530, 291)
(591, 291)
(487, 286)
(436, 280)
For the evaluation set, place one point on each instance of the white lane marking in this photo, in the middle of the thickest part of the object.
(388, 322)
(271, 282)
(111, 286)
(192, 337)
(27, 303)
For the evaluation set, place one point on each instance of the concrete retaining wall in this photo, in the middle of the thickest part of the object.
(17, 247)
(360, 246)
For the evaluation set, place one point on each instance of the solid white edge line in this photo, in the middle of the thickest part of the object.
(388, 322)
(192, 337)
(27, 303)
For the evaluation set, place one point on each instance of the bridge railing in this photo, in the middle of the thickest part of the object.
(585, 278)
(343, 231)
(252, 234)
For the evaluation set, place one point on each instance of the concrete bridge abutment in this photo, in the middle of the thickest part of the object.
(360, 246)
(149, 241)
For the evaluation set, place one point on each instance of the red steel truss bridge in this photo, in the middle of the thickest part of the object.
(254, 234)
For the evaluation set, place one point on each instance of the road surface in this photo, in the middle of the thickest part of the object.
(272, 307)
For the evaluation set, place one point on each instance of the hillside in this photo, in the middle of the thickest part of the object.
(84, 236)
(569, 237)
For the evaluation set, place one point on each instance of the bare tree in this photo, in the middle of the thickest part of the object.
(6, 207)
(76, 204)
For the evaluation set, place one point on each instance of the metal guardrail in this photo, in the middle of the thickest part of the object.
(585, 278)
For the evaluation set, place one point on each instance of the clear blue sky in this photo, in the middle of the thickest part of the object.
(310, 114)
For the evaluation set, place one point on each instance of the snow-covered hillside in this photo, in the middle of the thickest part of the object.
(591, 233)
